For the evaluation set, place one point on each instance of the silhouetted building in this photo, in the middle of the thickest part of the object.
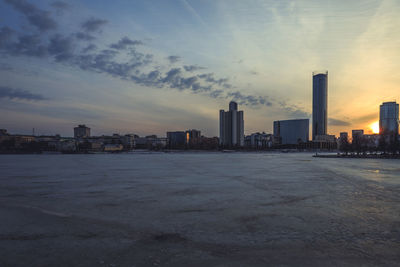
(81, 131)
(320, 104)
(176, 139)
(343, 140)
(344, 136)
(231, 126)
(389, 118)
(357, 134)
(193, 137)
(292, 131)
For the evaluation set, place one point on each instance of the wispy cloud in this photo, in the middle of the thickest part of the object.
(39, 18)
(93, 24)
(12, 93)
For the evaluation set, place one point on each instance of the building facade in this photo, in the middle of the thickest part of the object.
(292, 132)
(389, 118)
(193, 137)
(81, 131)
(357, 134)
(176, 139)
(231, 126)
(320, 104)
(259, 141)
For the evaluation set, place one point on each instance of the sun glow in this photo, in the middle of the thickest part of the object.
(374, 127)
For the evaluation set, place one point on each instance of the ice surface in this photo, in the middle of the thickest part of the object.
(198, 209)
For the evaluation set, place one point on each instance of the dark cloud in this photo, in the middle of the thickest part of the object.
(105, 62)
(173, 79)
(93, 24)
(153, 78)
(249, 100)
(89, 48)
(191, 68)
(61, 47)
(10, 93)
(336, 122)
(6, 35)
(124, 43)
(41, 19)
(28, 45)
(209, 77)
(173, 59)
(84, 36)
(293, 111)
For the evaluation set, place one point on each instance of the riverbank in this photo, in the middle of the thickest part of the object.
(360, 156)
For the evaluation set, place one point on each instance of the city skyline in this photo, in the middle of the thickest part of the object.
(187, 60)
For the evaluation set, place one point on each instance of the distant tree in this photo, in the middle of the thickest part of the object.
(393, 143)
(357, 144)
(344, 146)
(382, 146)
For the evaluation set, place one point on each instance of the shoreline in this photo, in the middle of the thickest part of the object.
(368, 156)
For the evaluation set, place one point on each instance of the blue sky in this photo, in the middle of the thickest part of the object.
(154, 66)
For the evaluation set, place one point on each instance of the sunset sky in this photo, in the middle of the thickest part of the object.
(148, 67)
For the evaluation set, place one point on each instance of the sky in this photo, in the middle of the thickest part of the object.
(147, 67)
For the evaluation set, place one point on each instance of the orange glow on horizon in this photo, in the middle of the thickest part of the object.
(374, 127)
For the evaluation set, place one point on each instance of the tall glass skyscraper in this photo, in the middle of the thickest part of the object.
(320, 104)
(231, 126)
(389, 118)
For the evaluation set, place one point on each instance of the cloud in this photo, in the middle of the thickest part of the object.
(60, 5)
(104, 62)
(293, 111)
(93, 24)
(28, 45)
(6, 34)
(190, 68)
(173, 59)
(124, 43)
(39, 18)
(61, 47)
(84, 36)
(336, 122)
(249, 100)
(10, 93)
(366, 118)
(89, 48)
(209, 77)
(121, 59)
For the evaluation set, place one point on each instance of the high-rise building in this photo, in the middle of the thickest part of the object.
(81, 131)
(389, 118)
(231, 126)
(292, 131)
(320, 104)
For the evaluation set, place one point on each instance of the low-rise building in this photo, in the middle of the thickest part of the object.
(259, 141)
(81, 131)
(113, 147)
(176, 139)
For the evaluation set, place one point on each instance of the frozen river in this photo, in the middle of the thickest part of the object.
(198, 209)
